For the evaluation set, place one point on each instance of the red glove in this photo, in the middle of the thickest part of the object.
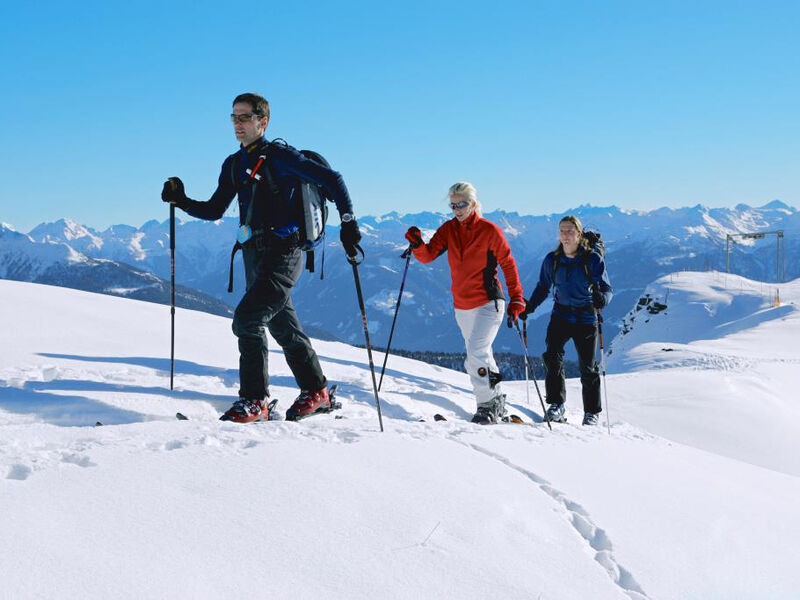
(515, 309)
(414, 236)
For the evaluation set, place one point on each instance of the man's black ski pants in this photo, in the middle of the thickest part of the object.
(272, 267)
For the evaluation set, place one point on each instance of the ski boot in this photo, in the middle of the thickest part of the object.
(590, 418)
(555, 413)
(491, 412)
(310, 403)
(247, 411)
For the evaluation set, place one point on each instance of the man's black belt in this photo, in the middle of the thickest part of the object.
(255, 235)
(262, 239)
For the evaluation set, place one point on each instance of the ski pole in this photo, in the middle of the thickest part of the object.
(353, 260)
(172, 293)
(522, 340)
(407, 256)
(527, 375)
(525, 343)
(603, 366)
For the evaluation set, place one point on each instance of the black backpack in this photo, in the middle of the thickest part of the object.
(595, 242)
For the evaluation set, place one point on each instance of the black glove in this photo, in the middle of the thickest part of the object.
(598, 299)
(173, 192)
(414, 236)
(350, 236)
(529, 308)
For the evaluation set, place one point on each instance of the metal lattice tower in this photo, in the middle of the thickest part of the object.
(780, 252)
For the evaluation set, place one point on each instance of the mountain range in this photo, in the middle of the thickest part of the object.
(640, 247)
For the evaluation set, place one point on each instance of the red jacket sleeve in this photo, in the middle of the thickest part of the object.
(435, 248)
(502, 252)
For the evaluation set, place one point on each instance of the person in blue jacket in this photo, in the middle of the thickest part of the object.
(581, 288)
(264, 176)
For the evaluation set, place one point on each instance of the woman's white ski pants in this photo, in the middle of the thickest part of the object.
(479, 327)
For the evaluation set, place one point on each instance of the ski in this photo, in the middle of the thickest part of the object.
(516, 420)
(511, 419)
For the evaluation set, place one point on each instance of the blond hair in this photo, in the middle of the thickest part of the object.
(467, 191)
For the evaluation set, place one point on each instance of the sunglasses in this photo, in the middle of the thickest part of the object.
(243, 118)
(459, 205)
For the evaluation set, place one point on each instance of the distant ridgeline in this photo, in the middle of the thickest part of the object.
(641, 246)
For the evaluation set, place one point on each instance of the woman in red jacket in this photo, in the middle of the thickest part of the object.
(475, 247)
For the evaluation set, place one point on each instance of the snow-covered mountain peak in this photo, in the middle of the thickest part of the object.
(779, 205)
(67, 231)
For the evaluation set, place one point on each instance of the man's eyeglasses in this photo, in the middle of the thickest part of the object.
(459, 205)
(243, 118)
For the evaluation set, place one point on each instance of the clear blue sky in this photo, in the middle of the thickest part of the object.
(542, 105)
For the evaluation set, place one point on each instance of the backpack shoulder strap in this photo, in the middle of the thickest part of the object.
(587, 254)
(234, 163)
(555, 267)
(267, 170)
(236, 181)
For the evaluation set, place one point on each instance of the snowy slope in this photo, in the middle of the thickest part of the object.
(149, 507)
(722, 362)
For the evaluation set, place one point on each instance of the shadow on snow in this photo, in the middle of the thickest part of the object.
(35, 397)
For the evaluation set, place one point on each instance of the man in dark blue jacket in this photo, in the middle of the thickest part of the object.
(265, 176)
(581, 288)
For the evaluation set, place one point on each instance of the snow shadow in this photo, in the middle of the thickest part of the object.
(429, 394)
(63, 410)
(752, 320)
(520, 409)
(423, 382)
(229, 377)
(367, 397)
(437, 403)
(700, 322)
(103, 386)
(430, 390)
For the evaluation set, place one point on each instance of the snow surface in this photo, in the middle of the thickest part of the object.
(693, 495)
(723, 351)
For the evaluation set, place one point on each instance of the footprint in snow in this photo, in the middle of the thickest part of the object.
(19, 472)
(174, 445)
(74, 458)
